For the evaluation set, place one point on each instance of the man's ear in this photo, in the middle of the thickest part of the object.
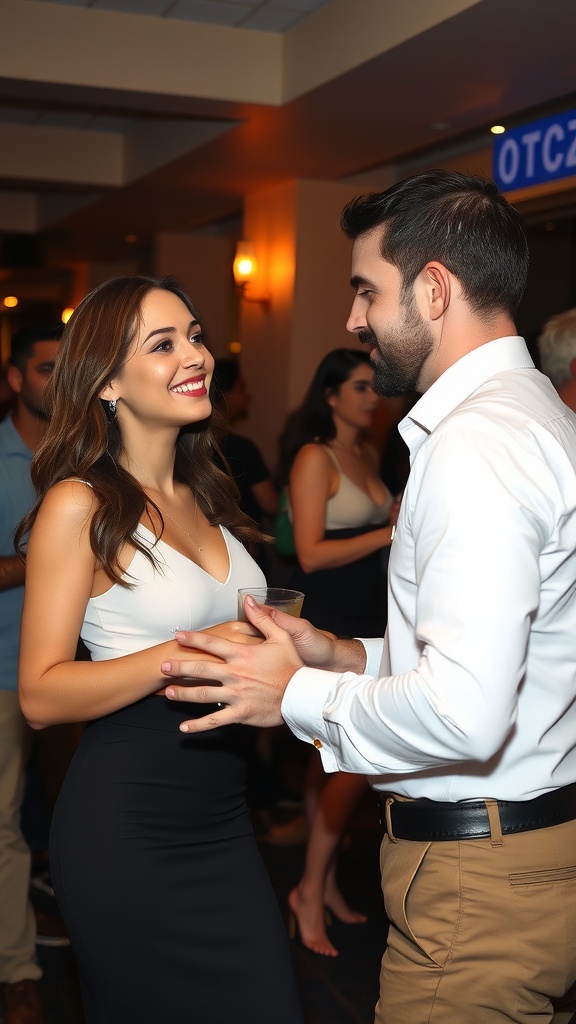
(437, 284)
(15, 378)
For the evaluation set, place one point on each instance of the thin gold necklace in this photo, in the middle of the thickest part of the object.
(195, 542)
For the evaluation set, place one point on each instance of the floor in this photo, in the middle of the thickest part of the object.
(342, 990)
(334, 991)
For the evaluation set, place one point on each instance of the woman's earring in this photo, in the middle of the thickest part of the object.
(112, 406)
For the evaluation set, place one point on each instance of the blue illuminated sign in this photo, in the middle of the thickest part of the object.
(541, 151)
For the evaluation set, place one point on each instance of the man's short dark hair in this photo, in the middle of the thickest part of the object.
(463, 222)
(23, 341)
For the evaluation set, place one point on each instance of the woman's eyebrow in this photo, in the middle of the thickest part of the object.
(169, 330)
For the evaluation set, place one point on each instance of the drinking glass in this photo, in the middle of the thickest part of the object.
(289, 601)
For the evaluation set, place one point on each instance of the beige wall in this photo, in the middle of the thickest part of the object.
(304, 267)
(266, 333)
(203, 266)
(323, 295)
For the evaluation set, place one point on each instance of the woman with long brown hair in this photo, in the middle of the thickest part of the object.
(136, 535)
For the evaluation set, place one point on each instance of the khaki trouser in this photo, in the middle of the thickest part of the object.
(17, 923)
(482, 931)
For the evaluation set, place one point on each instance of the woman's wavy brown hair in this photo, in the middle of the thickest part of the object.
(83, 439)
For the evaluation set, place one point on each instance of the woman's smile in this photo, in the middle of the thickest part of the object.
(194, 386)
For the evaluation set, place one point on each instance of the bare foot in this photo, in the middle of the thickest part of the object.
(310, 918)
(337, 905)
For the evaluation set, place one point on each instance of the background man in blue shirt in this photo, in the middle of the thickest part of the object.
(33, 351)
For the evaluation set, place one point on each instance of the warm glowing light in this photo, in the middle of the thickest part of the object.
(244, 269)
(130, 238)
(66, 314)
(235, 347)
(244, 266)
(10, 301)
(497, 129)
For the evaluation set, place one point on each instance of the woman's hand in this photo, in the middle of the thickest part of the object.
(239, 632)
(252, 683)
(249, 684)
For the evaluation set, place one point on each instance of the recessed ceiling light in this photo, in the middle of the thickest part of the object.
(130, 238)
(10, 301)
(497, 129)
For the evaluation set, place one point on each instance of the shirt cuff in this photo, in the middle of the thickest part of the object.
(374, 652)
(303, 707)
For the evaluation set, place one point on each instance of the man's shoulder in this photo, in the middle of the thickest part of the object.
(514, 426)
(239, 444)
(519, 397)
(10, 441)
(7, 432)
(246, 452)
(15, 459)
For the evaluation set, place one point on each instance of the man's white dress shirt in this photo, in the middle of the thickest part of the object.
(472, 694)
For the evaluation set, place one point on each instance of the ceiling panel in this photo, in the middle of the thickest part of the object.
(265, 15)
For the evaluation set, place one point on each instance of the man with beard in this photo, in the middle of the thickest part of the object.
(465, 715)
(32, 355)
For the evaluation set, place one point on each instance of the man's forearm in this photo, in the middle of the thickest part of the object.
(348, 656)
(320, 649)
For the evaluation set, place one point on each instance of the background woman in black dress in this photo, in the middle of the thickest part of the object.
(340, 511)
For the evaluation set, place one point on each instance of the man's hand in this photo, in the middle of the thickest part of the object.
(316, 647)
(252, 678)
(320, 649)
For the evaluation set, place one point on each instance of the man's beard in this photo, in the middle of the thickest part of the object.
(36, 410)
(400, 354)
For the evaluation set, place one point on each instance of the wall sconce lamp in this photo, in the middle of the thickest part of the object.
(244, 270)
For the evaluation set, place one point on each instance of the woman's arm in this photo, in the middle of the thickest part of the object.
(60, 568)
(310, 482)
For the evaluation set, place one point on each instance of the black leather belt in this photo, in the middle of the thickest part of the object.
(432, 821)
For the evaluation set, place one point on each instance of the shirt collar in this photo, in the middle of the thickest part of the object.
(458, 382)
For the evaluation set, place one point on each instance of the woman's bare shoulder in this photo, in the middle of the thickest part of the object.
(73, 501)
(313, 454)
